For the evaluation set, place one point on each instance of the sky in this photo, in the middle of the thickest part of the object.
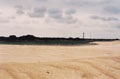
(60, 18)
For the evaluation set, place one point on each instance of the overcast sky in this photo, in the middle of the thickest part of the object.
(60, 18)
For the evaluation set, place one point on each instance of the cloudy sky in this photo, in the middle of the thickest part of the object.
(60, 18)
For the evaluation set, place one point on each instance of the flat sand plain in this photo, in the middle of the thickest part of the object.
(100, 61)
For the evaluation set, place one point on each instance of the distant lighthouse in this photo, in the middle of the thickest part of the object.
(83, 35)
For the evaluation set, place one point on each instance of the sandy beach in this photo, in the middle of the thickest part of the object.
(100, 61)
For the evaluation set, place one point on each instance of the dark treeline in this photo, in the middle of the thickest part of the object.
(30, 39)
(33, 38)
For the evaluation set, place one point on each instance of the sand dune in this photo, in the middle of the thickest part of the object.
(100, 61)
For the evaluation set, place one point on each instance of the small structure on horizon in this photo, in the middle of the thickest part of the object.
(83, 35)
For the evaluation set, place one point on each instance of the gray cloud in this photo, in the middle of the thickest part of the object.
(42, 0)
(118, 26)
(38, 12)
(104, 18)
(63, 16)
(112, 9)
(19, 11)
(77, 2)
(88, 3)
(112, 19)
(8, 1)
(55, 13)
(70, 20)
(70, 11)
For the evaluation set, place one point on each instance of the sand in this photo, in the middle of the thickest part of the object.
(100, 61)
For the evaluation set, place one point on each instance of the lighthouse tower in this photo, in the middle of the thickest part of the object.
(83, 35)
